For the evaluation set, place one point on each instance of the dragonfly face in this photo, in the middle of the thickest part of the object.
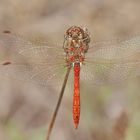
(76, 44)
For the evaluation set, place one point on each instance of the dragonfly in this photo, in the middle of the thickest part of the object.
(99, 63)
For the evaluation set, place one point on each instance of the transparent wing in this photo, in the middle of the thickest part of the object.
(31, 50)
(114, 50)
(29, 62)
(36, 73)
(102, 73)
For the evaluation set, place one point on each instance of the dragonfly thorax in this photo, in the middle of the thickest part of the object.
(76, 44)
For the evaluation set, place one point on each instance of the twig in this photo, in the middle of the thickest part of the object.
(58, 104)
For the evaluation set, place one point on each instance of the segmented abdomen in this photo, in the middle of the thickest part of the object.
(76, 97)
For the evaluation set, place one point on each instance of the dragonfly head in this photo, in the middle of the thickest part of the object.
(77, 33)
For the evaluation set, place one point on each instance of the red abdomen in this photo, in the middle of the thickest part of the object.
(76, 97)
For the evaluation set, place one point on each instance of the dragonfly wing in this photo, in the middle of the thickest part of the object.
(35, 73)
(114, 50)
(95, 73)
(31, 62)
(34, 50)
(103, 73)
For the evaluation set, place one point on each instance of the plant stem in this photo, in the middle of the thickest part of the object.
(58, 104)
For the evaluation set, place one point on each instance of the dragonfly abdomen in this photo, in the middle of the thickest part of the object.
(76, 97)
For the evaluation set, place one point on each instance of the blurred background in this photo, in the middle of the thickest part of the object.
(108, 113)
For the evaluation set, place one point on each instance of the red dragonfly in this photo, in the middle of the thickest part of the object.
(98, 64)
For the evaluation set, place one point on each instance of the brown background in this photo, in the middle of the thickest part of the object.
(108, 113)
